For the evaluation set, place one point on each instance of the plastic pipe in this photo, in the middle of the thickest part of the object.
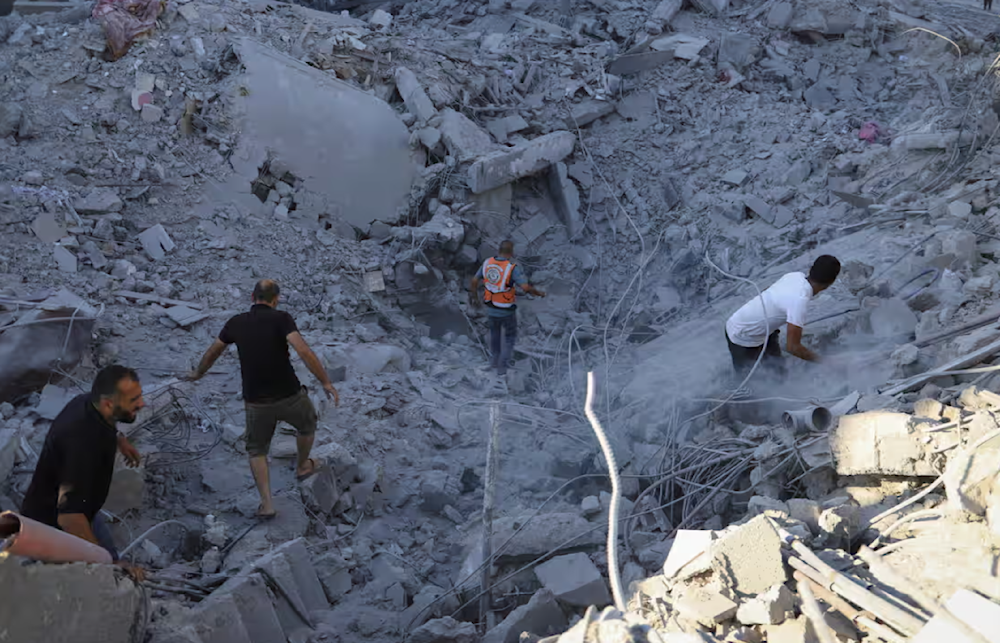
(815, 614)
(859, 618)
(32, 539)
(811, 418)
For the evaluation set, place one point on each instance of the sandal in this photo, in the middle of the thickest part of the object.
(263, 516)
(315, 467)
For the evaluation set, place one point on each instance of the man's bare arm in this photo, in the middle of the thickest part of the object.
(208, 359)
(531, 290)
(795, 347)
(313, 364)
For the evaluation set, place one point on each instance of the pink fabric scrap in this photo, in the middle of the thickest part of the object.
(869, 132)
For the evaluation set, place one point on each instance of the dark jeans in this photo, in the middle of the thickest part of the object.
(744, 358)
(103, 535)
(503, 350)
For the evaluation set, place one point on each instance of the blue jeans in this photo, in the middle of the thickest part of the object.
(103, 535)
(502, 349)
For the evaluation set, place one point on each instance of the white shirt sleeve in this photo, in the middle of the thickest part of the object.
(797, 310)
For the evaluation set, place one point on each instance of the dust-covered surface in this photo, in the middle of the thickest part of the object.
(343, 156)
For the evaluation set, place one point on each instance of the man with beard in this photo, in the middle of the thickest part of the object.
(73, 474)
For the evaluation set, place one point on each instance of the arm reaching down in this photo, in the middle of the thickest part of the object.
(213, 353)
(531, 290)
(795, 347)
(314, 365)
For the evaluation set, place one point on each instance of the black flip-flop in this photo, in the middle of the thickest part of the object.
(306, 476)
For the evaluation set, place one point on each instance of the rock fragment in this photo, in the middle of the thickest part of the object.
(504, 166)
(574, 580)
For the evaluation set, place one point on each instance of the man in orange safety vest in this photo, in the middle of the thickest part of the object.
(500, 275)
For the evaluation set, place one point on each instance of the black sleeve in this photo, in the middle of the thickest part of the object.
(287, 325)
(79, 473)
(226, 335)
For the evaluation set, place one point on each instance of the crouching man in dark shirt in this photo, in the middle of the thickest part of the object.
(271, 390)
(73, 475)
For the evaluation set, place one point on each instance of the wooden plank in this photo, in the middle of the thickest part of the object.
(964, 361)
(128, 294)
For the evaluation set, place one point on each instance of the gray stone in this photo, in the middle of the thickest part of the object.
(749, 557)
(218, 620)
(574, 580)
(9, 443)
(770, 608)
(253, 602)
(65, 260)
(127, 488)
(590, 506)
(715, 7)
(99, 201)
(541, 617)
(806, 511)
(67, 603)
(780, 15)
(430, 137)
(819, 97)
(444, 630)
(588, 111)
(759, 504)
(10, 119)
(665, 11)
(505, 166)
(319, 491)
(437, 490)
(464, 139)
(704, 606)
(566, 197)
(151, 113)
(290, 523)
(413, 95)
(893, 318)
(759, 207)
(799, 172)
(529, 231)
(546, 533)
(335, 576)
(739, 50)
(156, 242)
(961, 244)
(426, 605)
(466, 256)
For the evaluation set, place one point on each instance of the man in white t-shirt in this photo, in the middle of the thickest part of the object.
(785, 302)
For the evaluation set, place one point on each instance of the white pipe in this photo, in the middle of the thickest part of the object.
(149, 531)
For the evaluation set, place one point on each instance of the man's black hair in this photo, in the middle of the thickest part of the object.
(506, 247)
(266, 290)
(106, 382)
(824, 270)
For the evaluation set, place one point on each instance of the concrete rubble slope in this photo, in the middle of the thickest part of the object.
(646, 158)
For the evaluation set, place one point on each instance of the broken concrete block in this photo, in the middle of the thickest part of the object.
(335, 576)
(53, 602)
(156, 242)
(665, 11)
(840, 525)
(218, 620)
(588, 111)
(437, 490)
(319, 491)
(505, 166)
(769, 608)
(253, 601)
(47, 229)
(980, 614)
(541, 617)
(749, 558)
(736, 177)
(959, 209)
(529, 231)
(464, 139)
(713, 7)
(681, 45)
(590, 506)
(546, 533)
(879, 442)
(413, 95)
(798, 631)
(759, 504)
(65, 260)
(127, 488)
(819, 97)
(380, 19)
(961, 244)
(689, 546)
(151, 113)
(780, 15)
(574, 580)
(52, 401)
(444, 630)
(892, 318)
(806, 511)
(759, 207)
(11, 115)
(739, 50)
(99, 201)
(970, 477)
(705, 606)
(10, 440)
(566, 197)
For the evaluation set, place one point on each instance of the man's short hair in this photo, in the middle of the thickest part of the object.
(266, 290)
(506, 247)
(106, 382)
(824, 270)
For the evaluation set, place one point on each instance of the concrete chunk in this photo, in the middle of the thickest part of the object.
(335, 576)
(681, 45)
(980, 614)
(444, 630)
(541, 616)
(47, 229)
(566, 197)
(893, 319)
(218, 620)
(9, 442)
(759, 504)
(574, 579)
(413, 95)
(588, 111)
(879, 442)
(806, 511)
(542, 535)
(99, 201)
(706, 607)
(506, 166)
(769, 608)
(689, 545)
(156, 242)
(464, 139)
(319, 491)
(529, 231)
(65, 260)
(749, 558)
(253, 601)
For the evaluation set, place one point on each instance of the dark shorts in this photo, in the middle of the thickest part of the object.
(262, 418)
(744, 358)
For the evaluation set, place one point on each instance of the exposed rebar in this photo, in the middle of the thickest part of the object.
(489, 494)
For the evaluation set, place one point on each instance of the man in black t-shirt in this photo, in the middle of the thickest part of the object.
(271, 391)
(73, 474)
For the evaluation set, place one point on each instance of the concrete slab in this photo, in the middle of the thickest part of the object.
(879, 442)
(769, 608)
(689, 545)
(541, 617)
(464, 139)
(253, 600)
(218, 620)
(506, 166)
(413, 95)
(980, 614)
(705, 606)
(748, 558)
(574, 580)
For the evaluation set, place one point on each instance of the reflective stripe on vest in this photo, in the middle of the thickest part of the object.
(496, 278)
